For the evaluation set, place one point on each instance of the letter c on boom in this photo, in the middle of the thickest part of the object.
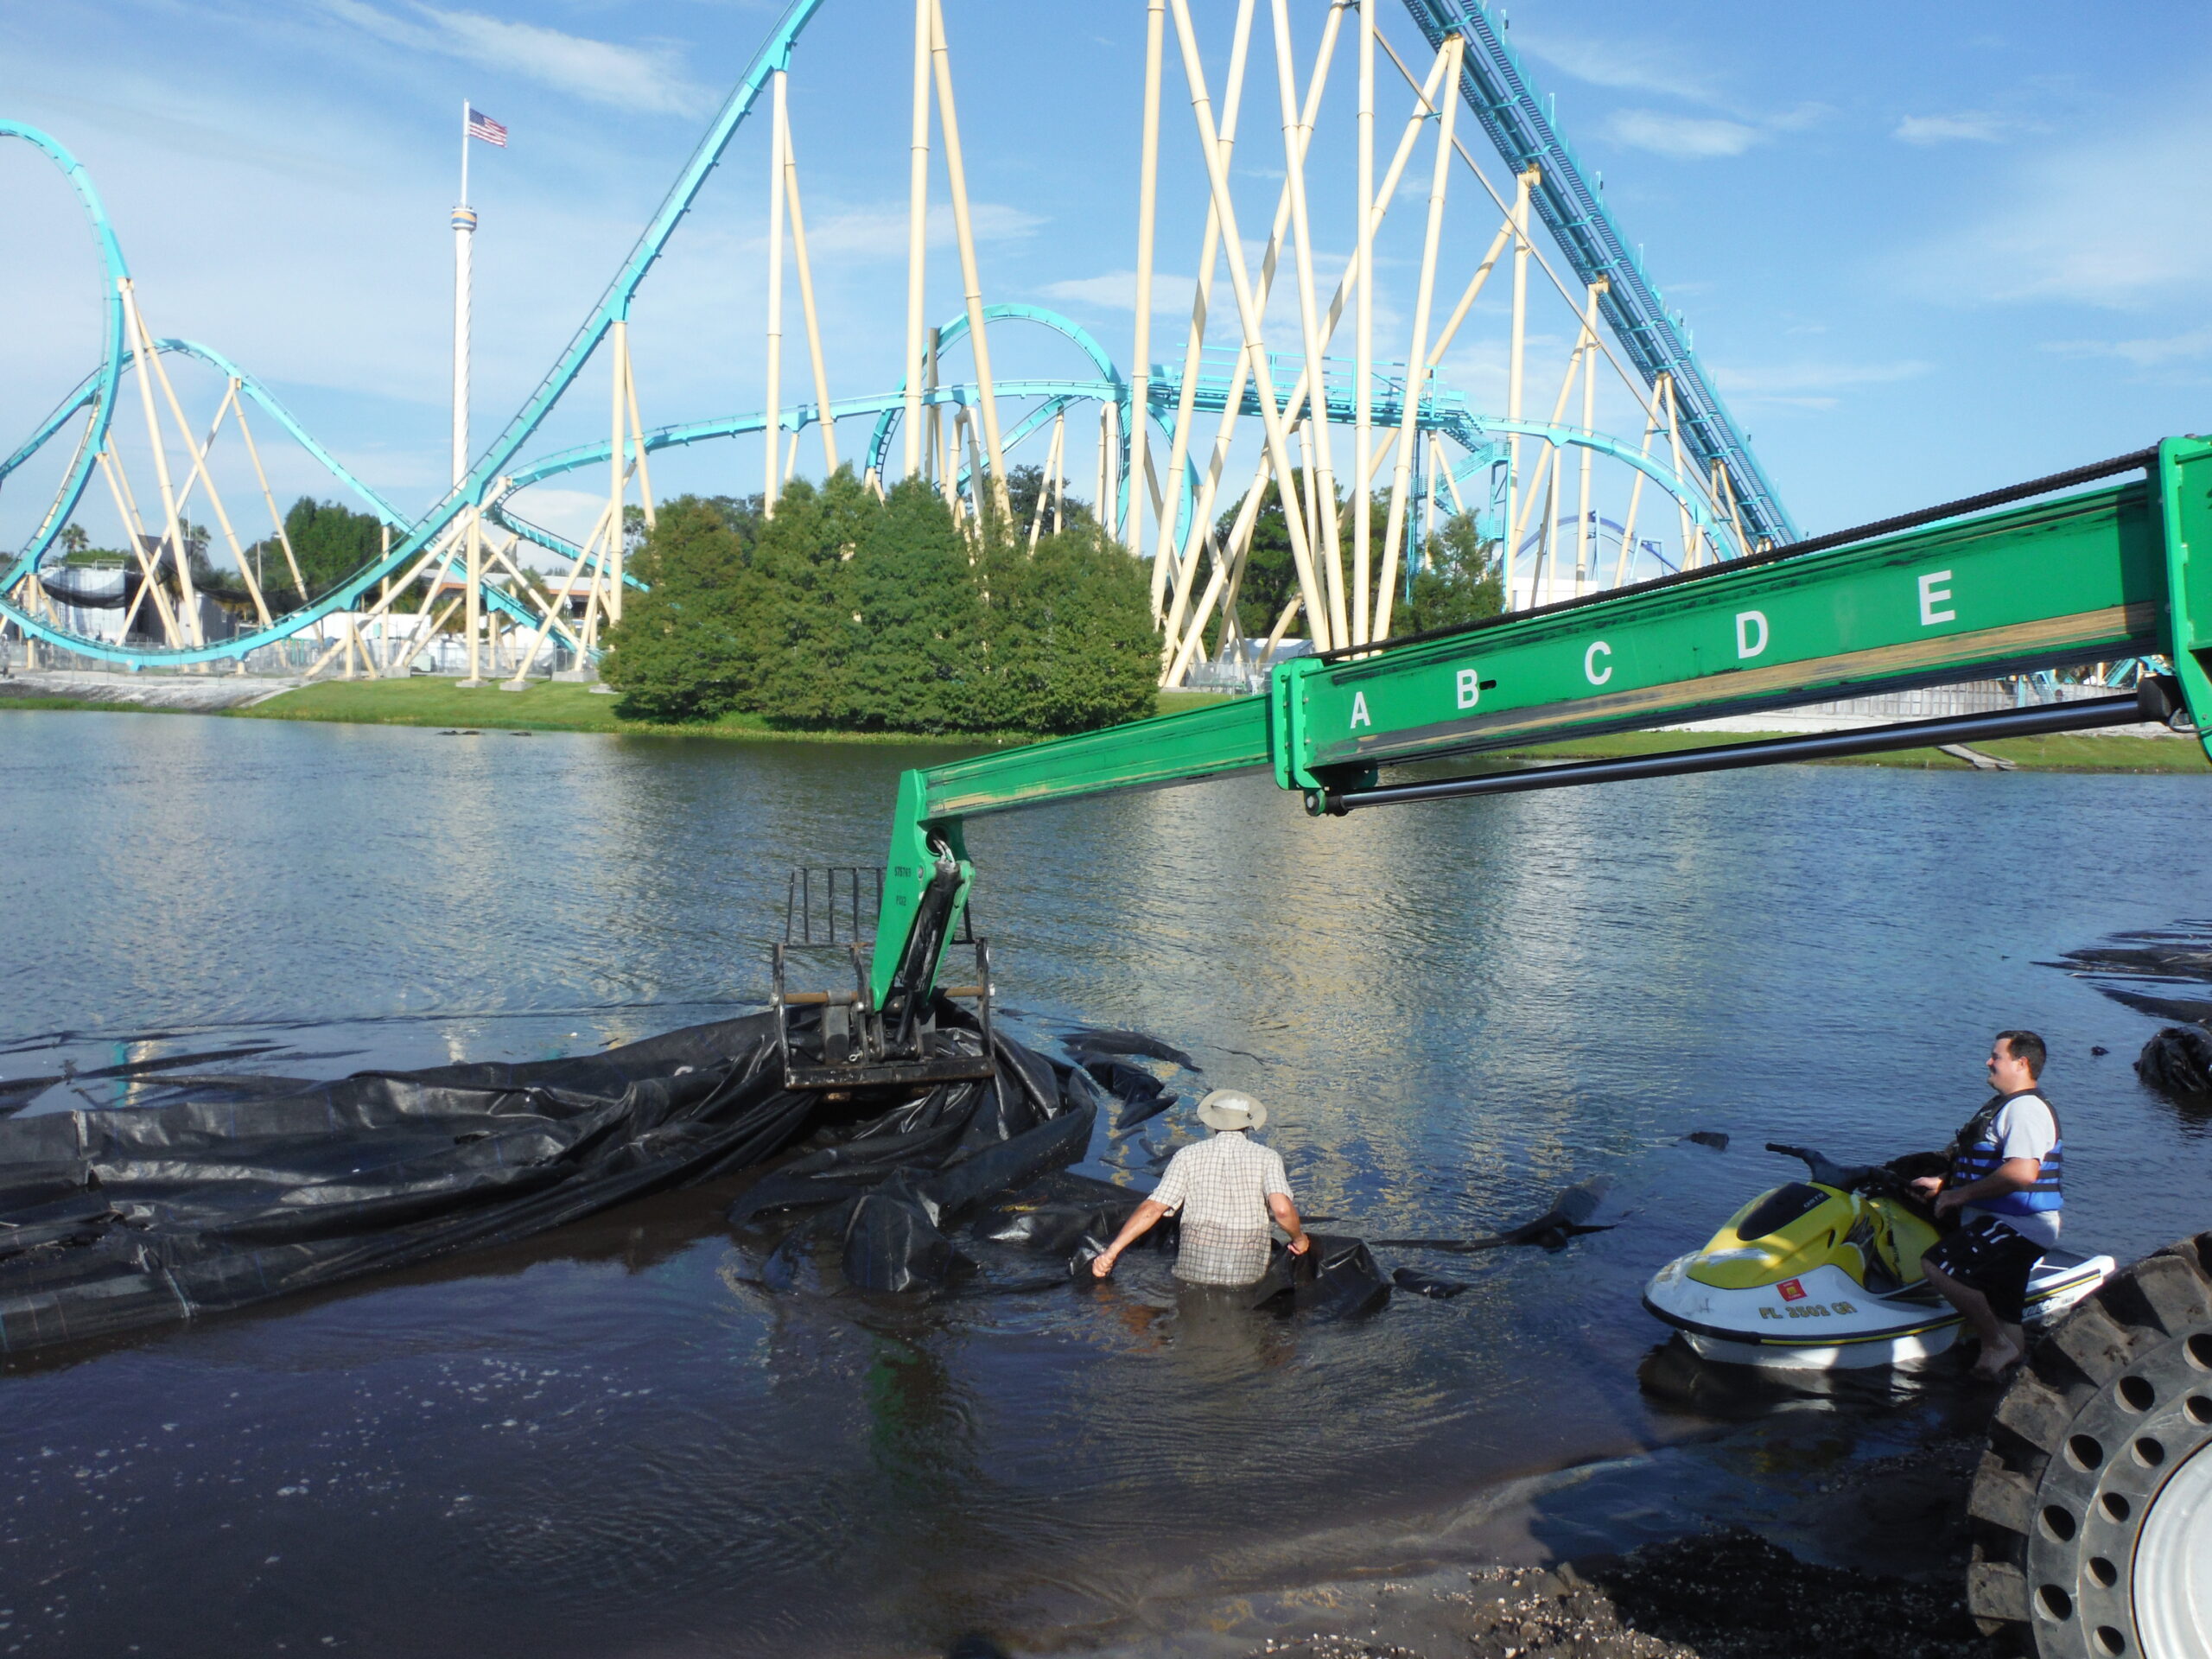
(1590, 671)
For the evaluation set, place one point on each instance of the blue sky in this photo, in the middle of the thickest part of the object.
(1961, 247)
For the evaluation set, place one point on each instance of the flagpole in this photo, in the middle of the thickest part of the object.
(464, 228)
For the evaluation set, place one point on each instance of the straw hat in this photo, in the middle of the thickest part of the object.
(1231, 1108)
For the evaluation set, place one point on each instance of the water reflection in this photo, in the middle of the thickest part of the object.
(605, 1441)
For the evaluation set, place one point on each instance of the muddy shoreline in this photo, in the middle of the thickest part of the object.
(1880, 1572)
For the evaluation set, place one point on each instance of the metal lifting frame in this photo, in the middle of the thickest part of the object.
(1970, 589)
(1499, 92)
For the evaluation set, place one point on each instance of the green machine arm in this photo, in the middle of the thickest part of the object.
(1969, 589)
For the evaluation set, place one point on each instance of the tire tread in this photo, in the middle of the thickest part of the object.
(2166, 1295)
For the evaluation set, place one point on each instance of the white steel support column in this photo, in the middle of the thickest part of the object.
(1363, 330)
(269, 499)
(1201, 530)
(1296, 401)
(464, 235)
(772, 425)
(464, 231)
(619, 340)
(917, 207)
(1621, 564)
(1109, 502)
(806, 304)
(978, 343)
(1515, 349)
(1693, 534)
(473, 616)
(1585, 548)
(1170, 570)
(142, 350)
(1100, 498)
(1255, 342)
(1417, 359)
(1155, 20)
(645, 476)
(1295, 140)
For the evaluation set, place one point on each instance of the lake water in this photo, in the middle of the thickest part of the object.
(605, 1441)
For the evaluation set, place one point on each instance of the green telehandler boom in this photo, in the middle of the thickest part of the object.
(2045, 575)
(2086, 1551)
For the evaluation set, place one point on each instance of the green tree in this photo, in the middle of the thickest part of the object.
(1023, 485)
(1072, 643)
(845, 611)
(330, 540)
(916, 662)
(804, 626)
(1270, 572)
(1459, 580)
(680, 652)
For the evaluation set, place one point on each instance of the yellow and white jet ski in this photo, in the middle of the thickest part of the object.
(1824, 1275)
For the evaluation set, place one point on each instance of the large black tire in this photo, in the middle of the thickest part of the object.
(2093, 1505)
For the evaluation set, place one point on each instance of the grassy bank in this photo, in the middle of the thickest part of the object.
(7, 703)
(545, 706)
(2063, 753)
(426, 700)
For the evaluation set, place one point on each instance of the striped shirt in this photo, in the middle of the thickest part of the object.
(1220, 1187)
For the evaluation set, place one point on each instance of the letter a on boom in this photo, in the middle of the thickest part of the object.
(1359, 714)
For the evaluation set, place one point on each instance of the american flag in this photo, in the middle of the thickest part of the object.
(481, 125)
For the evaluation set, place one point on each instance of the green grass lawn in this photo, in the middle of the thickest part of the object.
(2061, 752)
(1176, 702)
(544, 707)
(10, 702)
(547, 707)
(558, 706)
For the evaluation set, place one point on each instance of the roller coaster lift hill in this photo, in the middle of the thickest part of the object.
(2007, 583)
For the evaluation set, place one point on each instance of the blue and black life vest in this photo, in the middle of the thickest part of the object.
(1976, 1153)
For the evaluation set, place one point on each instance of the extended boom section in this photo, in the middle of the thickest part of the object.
(1965, 591)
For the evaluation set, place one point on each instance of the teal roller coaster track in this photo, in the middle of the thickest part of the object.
(1493, 84)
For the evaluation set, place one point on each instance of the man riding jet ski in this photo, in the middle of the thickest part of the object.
(2004, 1186)
(1828, 1273)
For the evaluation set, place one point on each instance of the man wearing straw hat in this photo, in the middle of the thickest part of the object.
(1227, 1188)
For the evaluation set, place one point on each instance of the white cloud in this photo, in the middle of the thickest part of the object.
(1683, 137)
(1797, 120)
(2143, 353)
(1971, 126)
(1117, 290)
(624, 77)
(880, 232)
(565, 513)
(1810, 382)
(1640, 67)
(2070, 225)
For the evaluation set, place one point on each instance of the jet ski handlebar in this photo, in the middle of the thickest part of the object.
(1845, 1177)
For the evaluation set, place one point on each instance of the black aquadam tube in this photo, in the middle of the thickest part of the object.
(2155, 701)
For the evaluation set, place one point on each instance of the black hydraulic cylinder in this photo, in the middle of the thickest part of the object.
(2153, 703)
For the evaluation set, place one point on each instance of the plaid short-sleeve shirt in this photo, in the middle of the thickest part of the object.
(1221, 1186)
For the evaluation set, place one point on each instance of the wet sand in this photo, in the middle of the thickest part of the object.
(1890, 1583)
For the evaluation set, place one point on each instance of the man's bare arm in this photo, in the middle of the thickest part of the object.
(1285, 1215)
(1141, 1221)
(2014, 1175)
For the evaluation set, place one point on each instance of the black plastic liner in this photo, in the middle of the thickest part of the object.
(252, 1187)
(240, 1189)
(2163, 972)
(2167, 974)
